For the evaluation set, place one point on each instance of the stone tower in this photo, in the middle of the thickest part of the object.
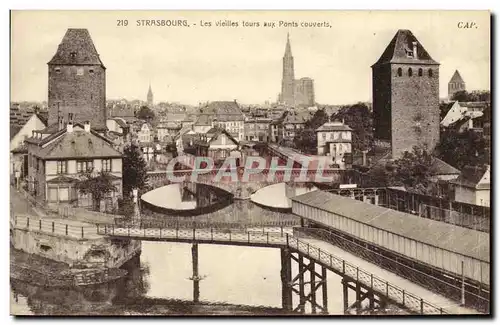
(77, 81)
(455, 85)
(150, 97)
(288, 81)
(406, 96)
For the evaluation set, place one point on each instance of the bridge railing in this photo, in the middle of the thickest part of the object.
(51, 227)
(394, 293)
(382, 287)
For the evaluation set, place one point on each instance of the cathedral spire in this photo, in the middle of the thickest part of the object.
(288, 48)
(150, 95)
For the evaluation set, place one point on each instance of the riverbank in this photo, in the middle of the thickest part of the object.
(45, 272)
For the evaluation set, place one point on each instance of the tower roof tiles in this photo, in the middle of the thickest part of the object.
(76, 48)
(401, 48)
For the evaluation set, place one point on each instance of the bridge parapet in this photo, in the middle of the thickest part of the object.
(239, 181)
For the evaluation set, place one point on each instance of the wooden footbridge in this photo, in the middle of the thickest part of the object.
(313, 293)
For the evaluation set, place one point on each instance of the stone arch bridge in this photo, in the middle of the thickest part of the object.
(242, 184)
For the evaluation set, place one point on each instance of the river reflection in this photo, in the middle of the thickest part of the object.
(159, 283)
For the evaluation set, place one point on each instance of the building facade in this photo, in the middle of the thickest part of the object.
(257, 129)
(77, 81)
(473, 186)
(334, 139)
(222, 114)
(56, 162)
(18, 148)
(406, 96)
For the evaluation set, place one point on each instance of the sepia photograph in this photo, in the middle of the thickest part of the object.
(250, 163)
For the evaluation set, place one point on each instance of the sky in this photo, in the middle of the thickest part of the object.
(196, 64)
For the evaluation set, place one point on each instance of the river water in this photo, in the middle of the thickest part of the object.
(159, 281)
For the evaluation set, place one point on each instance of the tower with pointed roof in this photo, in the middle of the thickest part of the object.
(406, 96)
(77, 81)
(288, 81)
(455, 85)
(150, 97)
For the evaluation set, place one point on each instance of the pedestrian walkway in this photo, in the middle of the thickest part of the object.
(450, 306)
(21, 205)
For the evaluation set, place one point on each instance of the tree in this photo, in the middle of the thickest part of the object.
(359, 118)
(134, 170)
(415, 170)
(145, 113)
(97, 185)
(461, 149)
(474, 96)
(305, 139)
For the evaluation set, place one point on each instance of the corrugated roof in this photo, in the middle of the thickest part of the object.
(460, 240)
(400, 45)
(76, 48)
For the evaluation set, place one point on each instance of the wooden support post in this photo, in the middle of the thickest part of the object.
(324, 289)
(301, 284)
(286, 280)
(358, 296)
(463, 285)
(196, 278)
(312, 285)
(345, 290)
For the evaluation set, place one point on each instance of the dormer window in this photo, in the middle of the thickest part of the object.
(409, 53)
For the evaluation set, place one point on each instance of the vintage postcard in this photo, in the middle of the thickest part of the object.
(183, 163)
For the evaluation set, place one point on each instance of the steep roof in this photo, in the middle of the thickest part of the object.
(223, 108)
(474, 177)
(399, 47)
(14, 130)
(76, 48)
(79, 144)
(456, 78)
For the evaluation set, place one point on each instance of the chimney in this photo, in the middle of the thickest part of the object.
(86, 126)
(69, 127)
(415, 54)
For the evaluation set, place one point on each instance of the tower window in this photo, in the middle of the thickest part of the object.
(57, 69)
(79, 71)
(430, 72)
(400, 72)
(91, 70)
(72, 54)
(410, 72)
(420, 72)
